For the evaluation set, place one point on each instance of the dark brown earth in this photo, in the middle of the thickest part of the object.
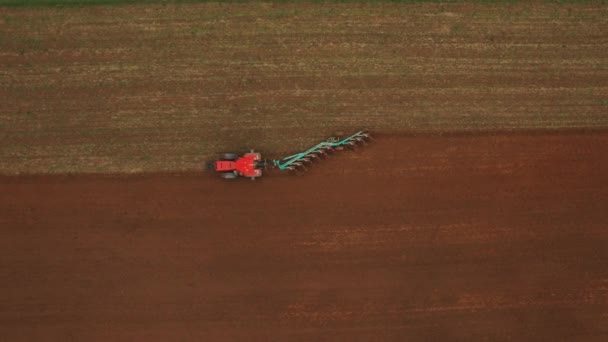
(459, 237)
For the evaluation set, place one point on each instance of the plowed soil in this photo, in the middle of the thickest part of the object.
(453, 237)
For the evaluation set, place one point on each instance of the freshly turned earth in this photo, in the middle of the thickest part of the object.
(453, 237)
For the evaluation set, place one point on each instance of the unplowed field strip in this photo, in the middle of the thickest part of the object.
(165, 88)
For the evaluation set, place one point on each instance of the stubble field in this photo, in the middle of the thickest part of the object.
(164, 88)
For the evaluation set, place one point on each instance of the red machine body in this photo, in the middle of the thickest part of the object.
(249, 165)
(225, 165)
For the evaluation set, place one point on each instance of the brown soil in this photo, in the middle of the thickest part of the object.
(499, 237)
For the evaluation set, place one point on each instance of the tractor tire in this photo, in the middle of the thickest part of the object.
(229, 175)
(230, 156)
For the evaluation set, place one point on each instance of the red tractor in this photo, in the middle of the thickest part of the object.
(230, 166)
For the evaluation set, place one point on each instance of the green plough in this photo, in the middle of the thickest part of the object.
(298, 161)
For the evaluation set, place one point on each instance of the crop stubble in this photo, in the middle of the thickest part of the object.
(164, 88)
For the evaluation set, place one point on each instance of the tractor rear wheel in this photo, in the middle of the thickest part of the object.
(228, 175)
(230, 156)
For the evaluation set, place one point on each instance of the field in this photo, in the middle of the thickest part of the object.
(479, 213)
